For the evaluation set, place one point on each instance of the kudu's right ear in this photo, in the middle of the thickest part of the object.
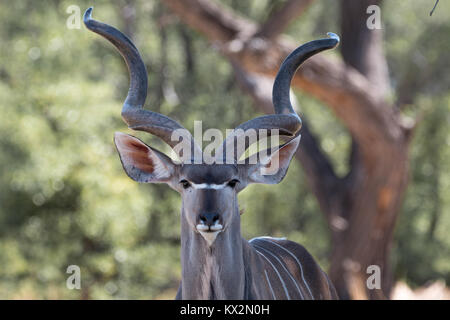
(141, 162)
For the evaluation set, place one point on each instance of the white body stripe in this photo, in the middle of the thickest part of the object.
(284, 267)
(267, 237)
(301, 268)
(270, 286)
(328, 283)
(279, 276)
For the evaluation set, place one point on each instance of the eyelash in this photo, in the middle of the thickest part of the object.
(233, 183)
(186, 184)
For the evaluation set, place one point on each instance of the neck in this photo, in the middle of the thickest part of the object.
(216, 271)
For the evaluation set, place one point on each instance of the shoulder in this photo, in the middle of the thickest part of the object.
(282, 244)
(298, 260)
(286, 250)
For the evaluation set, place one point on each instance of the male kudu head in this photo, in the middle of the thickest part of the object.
(208, 191)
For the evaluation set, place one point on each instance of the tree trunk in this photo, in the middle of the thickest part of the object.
(363, 224)
(362, 207)
(363, 221)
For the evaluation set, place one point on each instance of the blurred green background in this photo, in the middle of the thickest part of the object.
(65, 200)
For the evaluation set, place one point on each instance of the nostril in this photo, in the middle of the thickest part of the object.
(209, 219)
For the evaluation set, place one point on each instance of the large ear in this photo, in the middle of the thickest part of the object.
(141, 162)
(272, 168)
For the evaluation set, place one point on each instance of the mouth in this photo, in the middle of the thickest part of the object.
(204, 228)
(209, 233)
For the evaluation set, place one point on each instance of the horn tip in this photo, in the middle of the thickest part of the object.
(88, 15)
(334, 36)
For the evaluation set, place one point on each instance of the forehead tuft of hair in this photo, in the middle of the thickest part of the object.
(209, 173)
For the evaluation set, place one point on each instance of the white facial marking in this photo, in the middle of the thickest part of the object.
(209, 233)
(208, 185)
(216, 227)
(210, 237)
(202, 227)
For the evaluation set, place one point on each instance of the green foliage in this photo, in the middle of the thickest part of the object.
(65, 200)
(422, 233)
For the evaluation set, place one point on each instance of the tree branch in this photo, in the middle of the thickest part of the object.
(362, 48)
(214, 20)
(351, 96)
(280, 19)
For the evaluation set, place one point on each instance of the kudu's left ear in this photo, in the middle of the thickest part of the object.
(141, 162)
(272, 168)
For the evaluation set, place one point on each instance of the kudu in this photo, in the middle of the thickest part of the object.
(217, 263)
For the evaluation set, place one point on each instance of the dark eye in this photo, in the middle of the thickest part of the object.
(186, 184)
(233, 183)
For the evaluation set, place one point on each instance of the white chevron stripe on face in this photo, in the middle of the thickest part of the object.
(208, 186)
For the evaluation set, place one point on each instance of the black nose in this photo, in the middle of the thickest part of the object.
(209, 219)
